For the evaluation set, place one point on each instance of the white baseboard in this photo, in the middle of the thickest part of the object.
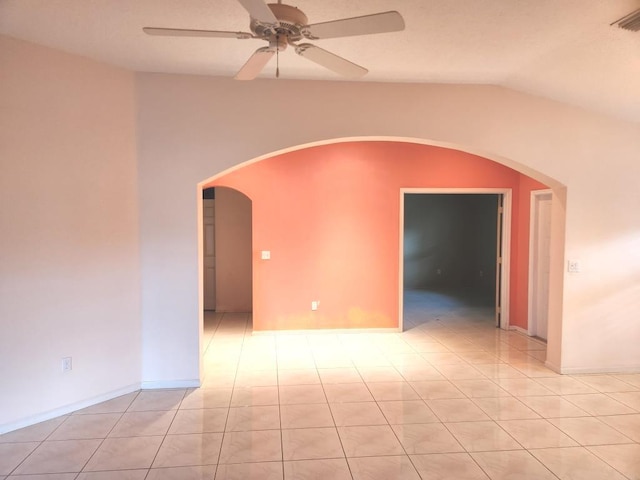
(595, 370)
(41, 417)
(519, 330)
(327, 331)
(527, 333)
(65, 410)
(165, 384)
(552, 366)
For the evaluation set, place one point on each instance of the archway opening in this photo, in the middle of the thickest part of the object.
(329, 216)
(227, 286)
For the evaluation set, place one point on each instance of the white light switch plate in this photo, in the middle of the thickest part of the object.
(265, 255)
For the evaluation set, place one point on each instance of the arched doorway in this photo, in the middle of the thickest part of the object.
(227, 288)
(333, 231)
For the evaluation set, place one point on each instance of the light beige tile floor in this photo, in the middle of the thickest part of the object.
(452, 397)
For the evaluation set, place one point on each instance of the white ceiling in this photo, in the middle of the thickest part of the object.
(560, 49)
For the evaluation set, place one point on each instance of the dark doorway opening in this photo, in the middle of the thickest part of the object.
(450, 256)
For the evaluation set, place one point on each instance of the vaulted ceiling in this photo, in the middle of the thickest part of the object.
(560, 49)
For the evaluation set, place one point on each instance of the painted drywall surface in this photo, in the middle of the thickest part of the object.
(191, 128)
(233, 251)
(69, 275)
(330, 217)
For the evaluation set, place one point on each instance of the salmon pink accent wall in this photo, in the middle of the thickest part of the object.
(330, 217)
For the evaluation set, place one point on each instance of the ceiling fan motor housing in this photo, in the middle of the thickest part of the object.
(291, 20)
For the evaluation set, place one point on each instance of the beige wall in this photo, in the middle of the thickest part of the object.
(233, 251)
(69, 274)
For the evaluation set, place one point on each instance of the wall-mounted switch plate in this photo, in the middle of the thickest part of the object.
(314, 305)
(265, 255)
(66, 364)
(573, 266)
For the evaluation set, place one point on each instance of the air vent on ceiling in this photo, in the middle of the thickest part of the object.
(630, 22)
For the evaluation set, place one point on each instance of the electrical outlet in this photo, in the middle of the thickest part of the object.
(314, 305)
(573, 266)
(67, 366)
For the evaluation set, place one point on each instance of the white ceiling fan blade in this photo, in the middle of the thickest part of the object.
(255, 64)
(259, 10)
(330, 60)
(183, 32)
(347, 27)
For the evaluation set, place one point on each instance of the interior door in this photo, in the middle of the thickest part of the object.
(541, 264)
(499, 227)
(209, 280)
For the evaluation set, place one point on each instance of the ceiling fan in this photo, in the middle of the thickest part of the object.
(282, 25)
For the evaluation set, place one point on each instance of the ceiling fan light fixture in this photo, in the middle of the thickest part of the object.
(629, 22)
(289, 22)
(281, 25)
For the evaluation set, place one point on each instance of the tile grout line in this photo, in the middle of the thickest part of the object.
(233, 387)
(279, 408)
(335, 426)
(531, 370)
(164, 437)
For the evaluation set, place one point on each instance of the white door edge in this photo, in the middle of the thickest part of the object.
(536, 196)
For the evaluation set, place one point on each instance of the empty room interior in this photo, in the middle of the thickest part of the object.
(397, 241)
